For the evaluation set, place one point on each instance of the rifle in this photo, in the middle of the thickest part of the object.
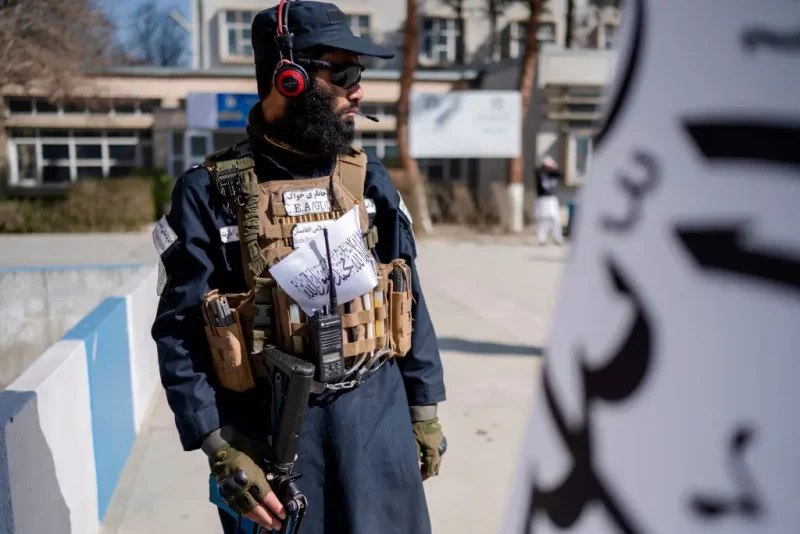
(289, 384)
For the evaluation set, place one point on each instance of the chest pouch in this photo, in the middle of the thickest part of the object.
(277, 216)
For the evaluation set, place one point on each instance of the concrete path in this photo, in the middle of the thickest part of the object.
(492, 301)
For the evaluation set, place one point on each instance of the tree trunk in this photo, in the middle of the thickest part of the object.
(461, 51)
(419, 204)
(516, 188)
(493, 11)
(570, 23)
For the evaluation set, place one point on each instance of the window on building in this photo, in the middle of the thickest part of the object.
(236, 33)
(175, 159)
(26, 161)
(48, 156)
(89, 151)
(439, 40)
(513, 37)
(74, 107)
(437, 170)
(379, 144)
(359, 24)
(583, 154)
(43, 106)
(125, 107)
(19, 106)
(53, 174)
(382, 110)
(609, 34)
(122, 152)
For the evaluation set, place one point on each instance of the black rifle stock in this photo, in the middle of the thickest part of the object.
(289, 385)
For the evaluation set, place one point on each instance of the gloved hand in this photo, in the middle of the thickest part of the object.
(431, 444)
(243, 484)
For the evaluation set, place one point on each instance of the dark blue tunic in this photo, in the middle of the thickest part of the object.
(357, 451)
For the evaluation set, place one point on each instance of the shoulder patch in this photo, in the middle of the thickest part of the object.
(370, 205)
(229, 234)
(404, 209)
(164, 237)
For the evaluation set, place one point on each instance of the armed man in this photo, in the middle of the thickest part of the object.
(368, 434)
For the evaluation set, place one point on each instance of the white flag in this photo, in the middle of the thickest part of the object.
(668, 402)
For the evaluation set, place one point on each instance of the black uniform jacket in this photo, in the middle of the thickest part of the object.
(356, 451)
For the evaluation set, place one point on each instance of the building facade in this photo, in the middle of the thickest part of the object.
(133, 117)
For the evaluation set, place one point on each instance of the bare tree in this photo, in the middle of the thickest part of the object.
(493, 10)
(46, 44)
(410, 168)
(516, 189)
(155, 38)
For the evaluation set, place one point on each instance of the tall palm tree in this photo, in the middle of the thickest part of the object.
(410, 168)
(516, 188)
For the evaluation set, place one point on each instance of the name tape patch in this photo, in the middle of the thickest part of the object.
(304, 232)
(306, 201)
(370, 205)
(229, 234)
(163, 236)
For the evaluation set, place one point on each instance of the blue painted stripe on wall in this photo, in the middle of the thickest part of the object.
(105, 333)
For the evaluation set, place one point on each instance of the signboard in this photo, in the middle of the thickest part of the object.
(667, 402)
(233, 109)
(215, 111)
(466, 124)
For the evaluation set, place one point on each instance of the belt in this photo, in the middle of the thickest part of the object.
(360, 372)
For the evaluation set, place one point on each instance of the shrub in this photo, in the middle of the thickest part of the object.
(111, 205)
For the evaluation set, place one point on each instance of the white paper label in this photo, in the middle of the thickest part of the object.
(303, 274)
(302, 233)
(306, 201)
(163, 236)
(229, 234)
(370, 205)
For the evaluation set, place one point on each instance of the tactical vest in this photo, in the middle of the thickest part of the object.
(377, 324)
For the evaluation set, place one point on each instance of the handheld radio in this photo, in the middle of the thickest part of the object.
(326, 333)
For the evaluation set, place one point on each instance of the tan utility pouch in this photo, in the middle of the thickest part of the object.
(400, 307)
(365, 321)
(230, 352)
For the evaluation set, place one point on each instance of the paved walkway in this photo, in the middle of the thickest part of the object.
(491, 301)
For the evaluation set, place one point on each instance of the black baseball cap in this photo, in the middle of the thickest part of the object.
(312, 23)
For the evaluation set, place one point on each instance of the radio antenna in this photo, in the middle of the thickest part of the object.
(334, 303)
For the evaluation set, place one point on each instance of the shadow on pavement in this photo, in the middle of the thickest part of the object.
(485, 347)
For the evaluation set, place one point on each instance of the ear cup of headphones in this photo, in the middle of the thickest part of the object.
(290, 79)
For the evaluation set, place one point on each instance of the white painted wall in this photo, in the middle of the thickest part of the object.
(47, 436)
(48, 469)
(142, 303)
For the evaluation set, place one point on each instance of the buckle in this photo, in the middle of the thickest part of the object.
(230, 185)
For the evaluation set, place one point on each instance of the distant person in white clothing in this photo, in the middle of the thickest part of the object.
(547, 209)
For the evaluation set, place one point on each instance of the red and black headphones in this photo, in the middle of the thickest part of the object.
(290, 79)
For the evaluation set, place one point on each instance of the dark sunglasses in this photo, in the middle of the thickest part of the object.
(344, 75)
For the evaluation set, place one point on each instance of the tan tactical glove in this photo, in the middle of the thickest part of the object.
(430, 446)
(241, 481)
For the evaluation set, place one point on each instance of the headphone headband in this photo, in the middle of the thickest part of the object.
(290, 79)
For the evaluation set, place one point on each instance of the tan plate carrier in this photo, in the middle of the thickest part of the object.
(380, 319)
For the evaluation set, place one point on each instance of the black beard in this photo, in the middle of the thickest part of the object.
(312, 124)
